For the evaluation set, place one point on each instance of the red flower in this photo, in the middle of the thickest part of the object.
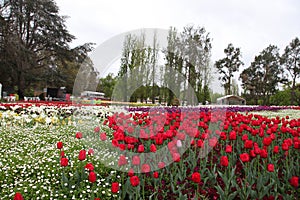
(115, 143)
(161, 165)
(130, 172)
(136, 160)
(141, 148)
(232, 135)
(90, 151)
(294, 181)
(134, 180)
(78, 135)
(263, 153)
(146, 168)
(285, 146)
(62, 154)
(103, 136)
(276, 149)
(18, 196)
(212, 142)
(97, 199)
(122, 147)
(196, 178)
(176, 157)
(252, 153)
(122, 160)
(270, 168)
(244, 157)
(224, 161)
(155, 175)
(115, 187)
(89, 166)
(92, 177)
(228, 149)
(64, 162)
(267, 141)
(248, 144)
(130, 129)
(59, 145)
(245, 137)
(96, 129)
(82, 155)
(199, 143)
(152, 148)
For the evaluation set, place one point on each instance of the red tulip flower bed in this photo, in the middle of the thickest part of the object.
(214, 155)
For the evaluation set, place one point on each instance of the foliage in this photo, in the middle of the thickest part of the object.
(263, 76)
(291, 61)
(107, 84)
(34, 45)
(228, 65)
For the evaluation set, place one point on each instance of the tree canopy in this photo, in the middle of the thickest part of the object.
(34, 44)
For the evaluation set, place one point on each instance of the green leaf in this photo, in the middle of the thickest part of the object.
(232, 195)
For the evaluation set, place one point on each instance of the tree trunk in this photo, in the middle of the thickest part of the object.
(293, 91)
(21, 85)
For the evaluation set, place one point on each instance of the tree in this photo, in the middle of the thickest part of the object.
(291, 60)
(34, 37)
(107, 84)
(195, 47)
(264, 75)
(228, 65)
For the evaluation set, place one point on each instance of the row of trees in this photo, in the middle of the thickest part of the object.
(35, 53)
(269, 70)
(181, 70)
(34, 47)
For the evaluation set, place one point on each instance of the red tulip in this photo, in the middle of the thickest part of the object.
(155, 175)
(228, 149)
(161, 165)
(115, 187)
(196, 178)
(141, 148)
(59, 145)
(78, 135)
(64, 162)
(92, 177)
(244, 157)
(146, 168)
(103, 136)
(136, 160)
(89, 166)
(294, 181)
(270, 168)
(122, 160)
(232, 135)
(134, 180)
(82, 155)
(152, 148)
(224, 161)
(18, 196)
(130, 172)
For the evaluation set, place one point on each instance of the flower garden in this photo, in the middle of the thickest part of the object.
(63, 151)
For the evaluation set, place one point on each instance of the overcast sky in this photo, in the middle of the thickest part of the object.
(249, 24)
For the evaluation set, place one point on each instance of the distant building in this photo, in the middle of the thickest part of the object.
(231, 100)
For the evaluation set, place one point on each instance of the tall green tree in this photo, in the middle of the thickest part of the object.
(263, 76)
(291, 61)
(34, 37)
(228, 65)
(196, 48)
(107, 84)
